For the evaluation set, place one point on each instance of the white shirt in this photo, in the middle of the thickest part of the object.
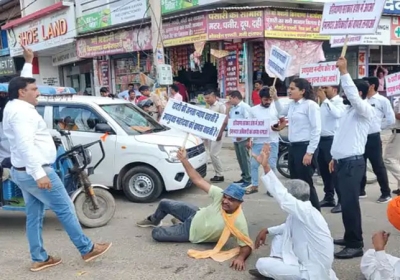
(396, 110)
(331, 111)
(304, 121)
(271, 115)
(31, 143)
(177, 96)
(351, 136)
(240, 111)
(307, 240)
(383, 111)
(380, 266)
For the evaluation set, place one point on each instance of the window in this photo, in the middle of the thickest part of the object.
(75, 118)
(131, 119)
(40, 110)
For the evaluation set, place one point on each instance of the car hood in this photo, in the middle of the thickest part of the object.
(170, 137)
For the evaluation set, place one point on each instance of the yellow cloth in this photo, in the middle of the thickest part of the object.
(216, 254)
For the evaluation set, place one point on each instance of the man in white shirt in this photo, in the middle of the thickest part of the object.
(214, 147)
(264, 111)
(373, 150)
(302, 247)
(348, 161)
(392, 151)
(241, 110)
(32, 153)
(332, 109)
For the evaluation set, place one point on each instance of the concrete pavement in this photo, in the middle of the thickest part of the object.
(135, 255)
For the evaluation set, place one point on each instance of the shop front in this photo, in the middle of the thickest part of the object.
(47, 32)
(119, 58)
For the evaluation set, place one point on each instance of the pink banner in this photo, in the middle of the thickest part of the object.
(235, 25)
(302, 52)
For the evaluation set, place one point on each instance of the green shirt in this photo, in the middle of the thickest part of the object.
(208, 223)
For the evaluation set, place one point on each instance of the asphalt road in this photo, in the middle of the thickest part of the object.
(135, 255)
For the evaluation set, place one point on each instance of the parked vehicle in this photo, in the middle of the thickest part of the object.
(140, 153)
(94, 205)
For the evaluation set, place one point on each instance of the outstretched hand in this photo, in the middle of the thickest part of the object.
(263, 157)
(181, 155)
(28, 54)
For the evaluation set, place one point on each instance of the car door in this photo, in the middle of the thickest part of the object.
(80, 120)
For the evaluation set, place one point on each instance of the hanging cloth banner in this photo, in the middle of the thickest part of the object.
(219, 53)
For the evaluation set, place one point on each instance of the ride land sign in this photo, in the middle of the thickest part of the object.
(359, 17)
(192, 119)
(321, 74)
(278, 62)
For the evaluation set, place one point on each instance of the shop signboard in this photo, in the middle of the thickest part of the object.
(65, 57)
(392, 7)
(50, 31)
(98, 14)
(123, 41)
(360, 17)
(7, 66)
(186, 30)
(170, 6)
(248, 128)
(321, 74)
(192, 119)
(287, 24)
(392, 82)
(380, 38)
(235, 25)
(278, 62)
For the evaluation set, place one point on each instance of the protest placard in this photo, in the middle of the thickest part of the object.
(359, 17)
(321, 74)
(278, 63)
(392, 84)
(192, 119)
(247, 128)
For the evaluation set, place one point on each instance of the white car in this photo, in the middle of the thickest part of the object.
(140, 153)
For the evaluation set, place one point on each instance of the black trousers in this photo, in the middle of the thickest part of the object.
(349, 174)
(298, 170)
(373, 152)
(324, 158)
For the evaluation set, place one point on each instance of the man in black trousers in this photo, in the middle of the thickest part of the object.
(348, 162)
(385, 118)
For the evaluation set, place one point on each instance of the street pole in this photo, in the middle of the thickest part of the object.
(156, 32)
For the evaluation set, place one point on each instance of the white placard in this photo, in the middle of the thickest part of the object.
(247, 128)
(359, 17)
(279, 62)
(50, 31)
(321, 74)
(381, 38)
(392, 84)
(192, 119)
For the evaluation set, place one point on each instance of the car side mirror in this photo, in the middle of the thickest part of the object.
(104, 128)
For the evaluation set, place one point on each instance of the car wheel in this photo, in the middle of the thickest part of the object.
(142, 184)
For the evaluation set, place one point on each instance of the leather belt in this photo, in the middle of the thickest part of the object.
(300, 143)
(24, 168)
(348, 159)
(396, 130)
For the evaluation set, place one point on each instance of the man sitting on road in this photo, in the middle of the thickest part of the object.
(376, 264)
(214, 223)
(302, 247)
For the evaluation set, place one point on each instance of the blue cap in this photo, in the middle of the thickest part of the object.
(235, 191)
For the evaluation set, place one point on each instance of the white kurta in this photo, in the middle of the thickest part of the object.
(303, 243)
(380, 266)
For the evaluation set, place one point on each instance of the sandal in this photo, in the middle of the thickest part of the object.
(251, 191)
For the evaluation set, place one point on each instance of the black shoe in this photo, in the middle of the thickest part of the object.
(241, 181)
(349, 253)
(363, 194)
(339, 242)
(336, 209)
(327, 203)
(269, 194)
(396, 192)
(217, 179)
(384, 199)
(255, 273)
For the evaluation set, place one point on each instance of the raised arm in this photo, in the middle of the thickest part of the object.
(282, 109)
(27, 70)
(314, 117)
(192, 173)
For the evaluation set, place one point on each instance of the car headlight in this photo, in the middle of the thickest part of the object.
(171, 152)
(88, 156)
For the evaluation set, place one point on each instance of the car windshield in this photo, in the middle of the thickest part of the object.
(131, 119)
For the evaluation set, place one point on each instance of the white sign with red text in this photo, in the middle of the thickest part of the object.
(392, 84)
(50, 31)
(359, 17)
(248, 128)
(321, 74)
